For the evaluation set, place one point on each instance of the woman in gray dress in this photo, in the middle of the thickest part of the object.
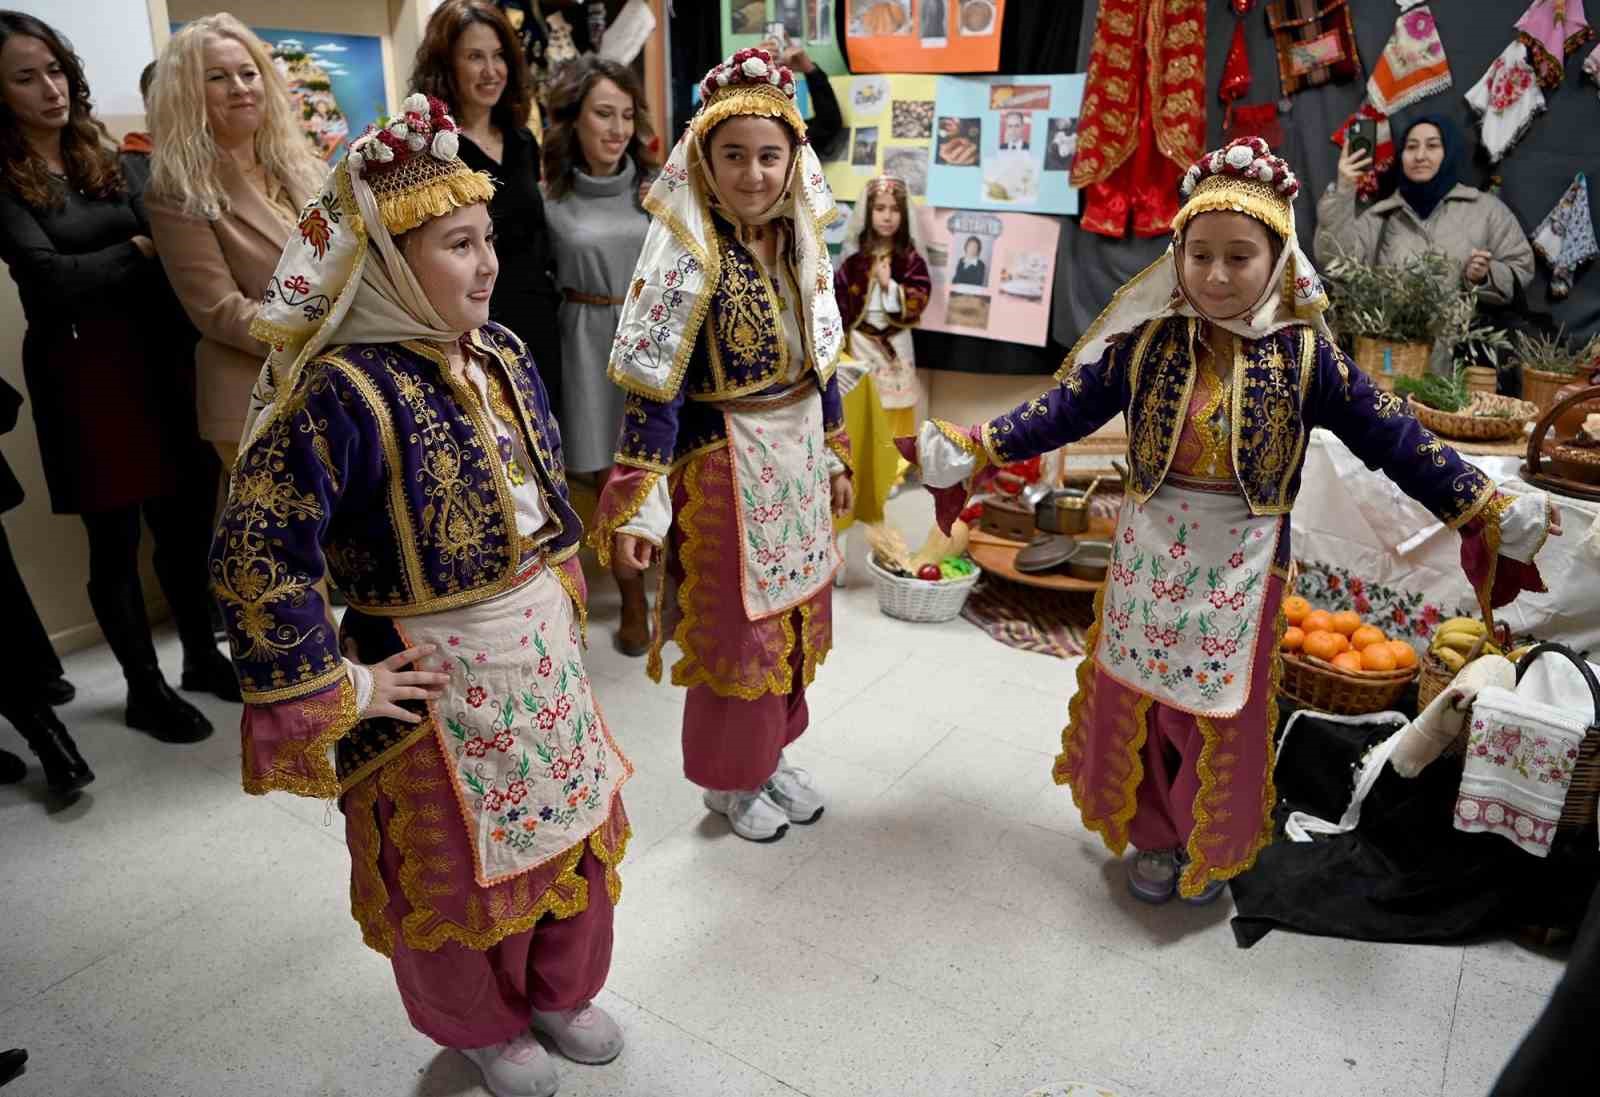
(596, 160)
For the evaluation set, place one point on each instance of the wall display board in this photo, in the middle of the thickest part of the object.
(805, 22)
(1005, 143)
(992, 273)
(923, 35)
(336, 81)
(890, 123)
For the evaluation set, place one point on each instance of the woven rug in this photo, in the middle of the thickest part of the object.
(1051, 622)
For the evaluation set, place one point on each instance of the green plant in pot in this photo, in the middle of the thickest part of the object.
(1393, 314)
(1549, 362)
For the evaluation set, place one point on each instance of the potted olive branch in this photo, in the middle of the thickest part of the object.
(1393, 314)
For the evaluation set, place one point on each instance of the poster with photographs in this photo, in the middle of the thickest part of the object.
(806, 23)
(1005, 143)
(923, 35)
(890, 123)
(992, 273)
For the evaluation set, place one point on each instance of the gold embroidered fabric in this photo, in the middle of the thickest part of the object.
(287, 748)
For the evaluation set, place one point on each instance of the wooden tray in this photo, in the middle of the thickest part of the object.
(998, 556)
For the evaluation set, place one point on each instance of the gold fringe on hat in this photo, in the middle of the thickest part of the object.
(1231, 194)
(743, 100)
(425, 187)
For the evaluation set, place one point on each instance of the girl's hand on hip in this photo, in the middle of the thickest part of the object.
(392, 683)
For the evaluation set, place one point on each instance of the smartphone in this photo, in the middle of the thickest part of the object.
(1362, 138)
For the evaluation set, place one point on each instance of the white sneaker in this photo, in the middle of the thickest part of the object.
(585, 1035)
(795, 791)
(518, 1068)
(753, 815)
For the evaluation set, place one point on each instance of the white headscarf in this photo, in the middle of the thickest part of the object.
(863, 211)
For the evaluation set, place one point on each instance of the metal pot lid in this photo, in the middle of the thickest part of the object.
(1093, 554)
(1045, 552)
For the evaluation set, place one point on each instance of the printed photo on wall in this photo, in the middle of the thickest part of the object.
(1019, 96)
(819, 20)
(934, 32)
(1011, 178)
(1061, 144)
(971, 266)
(993, 273)
(834, 234)
(864, 147)
(1026, 275)
(1016, 131)
(977, 17)
(960, 142)
(791, 13)
(909, 162)
(967, 310)
(912, 120)
(879, 18)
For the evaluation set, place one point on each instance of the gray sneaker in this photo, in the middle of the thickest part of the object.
(1153, 875)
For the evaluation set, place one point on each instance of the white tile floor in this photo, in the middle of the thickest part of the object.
(948, 928)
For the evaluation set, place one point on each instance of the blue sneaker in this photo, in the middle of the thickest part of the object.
(1153, 875)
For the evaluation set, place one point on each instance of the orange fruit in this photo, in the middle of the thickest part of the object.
(1348, 661)
(1295, 609)
(1324, 645)
(1346, 621)
(1318, 620)
(1293, 639)
(1377, 657)
(1405, 656)
(1366, 635)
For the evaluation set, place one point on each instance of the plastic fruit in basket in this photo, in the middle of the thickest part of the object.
(1377, 657)
(1346, 621)
(1295, 609)
(930, 572)
(1349, 661)
(1293, 639)
(1366, 636)
(1318, 620)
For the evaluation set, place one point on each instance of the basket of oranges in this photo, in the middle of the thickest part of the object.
(1335, 662)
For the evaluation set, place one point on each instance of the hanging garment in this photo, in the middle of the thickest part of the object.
(1256, 120)
(1591, 65)
(1566, 237)
(1316, 41)
(1413, 65)
(1508, 99)
(1235, 83)
(1143, 113)
(1552, 29)
(1382, 153)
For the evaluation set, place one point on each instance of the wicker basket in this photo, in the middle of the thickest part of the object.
(1314, 684)
(1434, 677)
(1540, 386)
(1484, 379)
(923, 600)
(1384, 361)
(1472, 427)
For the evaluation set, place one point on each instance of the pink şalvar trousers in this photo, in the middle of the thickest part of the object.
(732, 744)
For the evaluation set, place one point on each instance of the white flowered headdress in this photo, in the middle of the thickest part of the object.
(341, 278)
(680, 264)
(1241, 177)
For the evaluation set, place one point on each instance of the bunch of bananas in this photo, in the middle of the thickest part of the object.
(1463, 638)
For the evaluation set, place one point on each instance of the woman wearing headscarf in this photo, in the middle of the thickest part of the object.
(733, 455)
(401, 444)
(1430, 210)
(1219, 357)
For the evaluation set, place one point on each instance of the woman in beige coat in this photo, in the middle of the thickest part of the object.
(230, 171)
(1430, 210)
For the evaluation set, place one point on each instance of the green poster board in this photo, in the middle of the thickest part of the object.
(809, 22)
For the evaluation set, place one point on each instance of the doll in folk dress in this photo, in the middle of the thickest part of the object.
(1220, 359)
(882, 285)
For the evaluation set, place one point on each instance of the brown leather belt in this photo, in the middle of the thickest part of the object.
(591, 298)
(791, 395)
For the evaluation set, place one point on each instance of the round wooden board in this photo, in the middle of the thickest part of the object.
(999, 557)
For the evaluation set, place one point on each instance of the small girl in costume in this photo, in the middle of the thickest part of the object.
(882, 285)
(402, 445)
(733, 456)
(1219, 356)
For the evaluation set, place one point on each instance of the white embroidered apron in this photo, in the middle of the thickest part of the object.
(783, 500)
(533, 764)
(1185, 596)
(896, 374)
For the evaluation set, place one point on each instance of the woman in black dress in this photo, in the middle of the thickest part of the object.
(471, 58)
(116, 430)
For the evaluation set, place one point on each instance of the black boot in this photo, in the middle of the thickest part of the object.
(152, 705)
(11, 1064)
(58, 691)
(205, 669)
(65, 770)
(209, 671)
(12, 768)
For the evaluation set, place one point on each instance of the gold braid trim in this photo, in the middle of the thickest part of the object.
(319, 780)
(962, 440)
(1231, 194)
(404, 209)
(580, 607)
(739, 100)
(611, 857)
(605, 529)
(277, 335)
(420, 730)
(1486, 495)
(369, 896)
(840, 448)
(294, 692)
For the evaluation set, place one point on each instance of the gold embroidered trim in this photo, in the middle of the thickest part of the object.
(276, 335)
(712, 265)
(605, 529)
(757, 100)
(1227, 193)
(962, 440)
(319, 780)
(369, 896)
(640, 463)
(991, 449)
(611, 858)
(840, 448)
(1143, 441)
(580, 606)
(404, 209)
(1492, 513)
(290, 693)
(421, 730)
(1486, 493)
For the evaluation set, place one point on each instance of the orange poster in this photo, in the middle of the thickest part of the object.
(923, 35)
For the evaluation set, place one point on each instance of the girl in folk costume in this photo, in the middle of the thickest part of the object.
(402, 447)
(1219, 356)
(733, 450)
(882, 285)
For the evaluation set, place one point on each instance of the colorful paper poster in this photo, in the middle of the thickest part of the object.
(889, 120)
(1006, 143)
(335, 80)
(992, 273)
(923, 35)
(807, 23)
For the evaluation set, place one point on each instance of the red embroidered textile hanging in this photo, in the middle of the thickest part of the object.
(1316, 42)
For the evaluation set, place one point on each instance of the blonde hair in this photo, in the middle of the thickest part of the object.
(184, 166)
